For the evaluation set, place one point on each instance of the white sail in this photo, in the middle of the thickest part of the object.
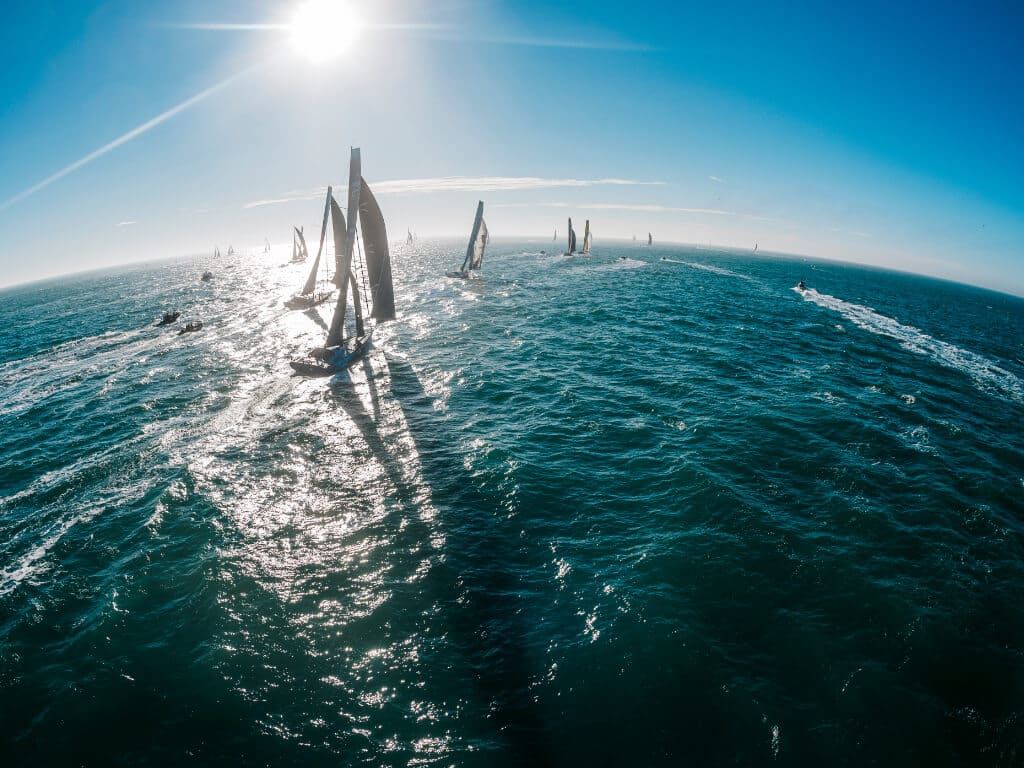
(344, 259)
(586, 238)
(477, 241)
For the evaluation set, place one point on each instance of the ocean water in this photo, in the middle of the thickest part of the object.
(650, 507)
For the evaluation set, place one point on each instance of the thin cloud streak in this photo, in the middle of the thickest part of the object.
(217, 26)
(125, 223)
(460, 184)
(715, 178)
(133, 133)
(624, 207)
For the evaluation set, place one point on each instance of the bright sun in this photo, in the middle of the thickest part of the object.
(321, 29)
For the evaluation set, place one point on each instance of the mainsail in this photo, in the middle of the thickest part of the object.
(650, 240)
(378, 260)
(344, 244)
(303, 250)
(311, 280)
(586, 238)
(477, 241)
(572, 239)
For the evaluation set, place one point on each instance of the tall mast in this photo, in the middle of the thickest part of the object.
(335, 333)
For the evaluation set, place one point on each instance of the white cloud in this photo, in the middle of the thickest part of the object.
(125, 223)
(715, 178)
(460, 184)
(623, 207)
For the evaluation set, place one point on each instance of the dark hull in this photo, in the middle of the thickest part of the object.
(331, 360)
(306, 302)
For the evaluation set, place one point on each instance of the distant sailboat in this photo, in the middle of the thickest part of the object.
(409, 238)
(477, 242)
(572, 240)
(231, 250)
(586, 238)
(555, 238)
(299, 250)
(216, 251)
(266, 245)
(634, 237)
(309, 296)
(650, 240)
(755, 248)
(341, 350)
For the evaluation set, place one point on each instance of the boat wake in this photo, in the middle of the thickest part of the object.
(708, 268)
(985, 373)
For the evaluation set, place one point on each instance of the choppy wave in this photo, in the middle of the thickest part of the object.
(569, 481)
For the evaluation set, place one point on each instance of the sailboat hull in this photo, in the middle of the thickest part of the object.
(327, 361)
(463, 275)
(307, 302)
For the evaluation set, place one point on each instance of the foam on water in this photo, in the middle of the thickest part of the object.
(988, 376)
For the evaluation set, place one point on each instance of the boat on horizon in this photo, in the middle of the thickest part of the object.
(343, 346)
(571, 249)
(650, 240)
(299, 251)
(477, 244)
(586, 239)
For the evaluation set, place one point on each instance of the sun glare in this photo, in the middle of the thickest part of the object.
(322, 29)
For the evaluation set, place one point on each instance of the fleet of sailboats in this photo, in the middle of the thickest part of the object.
(477, 244)
(349, 333)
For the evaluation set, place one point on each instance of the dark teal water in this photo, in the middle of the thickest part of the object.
(576, 512)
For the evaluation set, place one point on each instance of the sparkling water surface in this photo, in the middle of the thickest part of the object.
(648, 507)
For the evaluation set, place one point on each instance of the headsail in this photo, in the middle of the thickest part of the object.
(344, 243)
(586, 238)
(378, 260)
(477, 241)
(310, 285)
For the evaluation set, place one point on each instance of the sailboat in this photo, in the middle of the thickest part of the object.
(650, 240)
(344, 346)
(572, 240)
(755, 248)
(634, 237)
(231, 250)
(409, 238)
(555, 238)
(299, 250)
(586, 238)
(477, 243)
(216, 251)
(266, 245)
(309, 296)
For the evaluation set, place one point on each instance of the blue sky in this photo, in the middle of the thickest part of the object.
(885, 135)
